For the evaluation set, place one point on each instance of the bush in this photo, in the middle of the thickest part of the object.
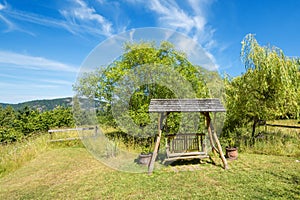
(8, 135)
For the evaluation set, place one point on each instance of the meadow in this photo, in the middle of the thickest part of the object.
(37, 169)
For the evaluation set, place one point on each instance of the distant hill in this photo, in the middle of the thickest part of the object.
(45, 104)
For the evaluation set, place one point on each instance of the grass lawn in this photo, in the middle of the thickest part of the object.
(72, 173)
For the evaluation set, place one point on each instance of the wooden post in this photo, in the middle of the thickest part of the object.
(214, 149)
(154, 155)
(96, 130)
(213, 133)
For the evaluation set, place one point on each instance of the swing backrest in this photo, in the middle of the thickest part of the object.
(183, 143)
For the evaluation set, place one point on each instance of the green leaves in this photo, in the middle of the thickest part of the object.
(143, 72)
(16, 125)
(269, 89)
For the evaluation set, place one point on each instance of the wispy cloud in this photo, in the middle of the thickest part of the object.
(32, 62)
(35, 79)
(191, 20)
(193, 23)
(9, 24)
(78, 19)
(172, 15)
(27, 85)
(81, 14)
(57, 82)
(3, 5)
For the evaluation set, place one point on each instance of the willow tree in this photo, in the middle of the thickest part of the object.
(269, 89)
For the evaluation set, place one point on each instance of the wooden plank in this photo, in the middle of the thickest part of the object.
(183, 134)
(65, 139)
(186, 157)
(70, 129)
(186, 154)
(283, 126)
(67, 130)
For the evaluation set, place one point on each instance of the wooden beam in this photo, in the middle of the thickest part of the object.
(65, 139)
(70, 129)
(154, 155)
(186, 154)
(186, 158)
(214, 149)
(215, 137)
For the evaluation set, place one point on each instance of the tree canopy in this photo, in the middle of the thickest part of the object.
(144, 71)
(269, 88)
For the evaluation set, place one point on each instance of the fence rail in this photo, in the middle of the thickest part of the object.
(51, 131)
(282, 126)
(70, 129)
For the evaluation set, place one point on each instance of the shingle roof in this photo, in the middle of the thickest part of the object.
(186, 105)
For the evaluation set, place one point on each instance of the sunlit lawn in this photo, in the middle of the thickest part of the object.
(72, 173)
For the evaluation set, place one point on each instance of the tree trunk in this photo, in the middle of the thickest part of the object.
(253, 132)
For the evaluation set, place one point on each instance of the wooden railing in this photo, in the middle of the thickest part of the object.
(51, 131)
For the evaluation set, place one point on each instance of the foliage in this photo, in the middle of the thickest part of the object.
(142, 73)
(269, 89)
(16, 125)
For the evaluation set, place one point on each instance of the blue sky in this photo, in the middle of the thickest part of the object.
(44, 43)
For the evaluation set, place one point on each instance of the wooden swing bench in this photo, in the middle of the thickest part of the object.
(185, 146)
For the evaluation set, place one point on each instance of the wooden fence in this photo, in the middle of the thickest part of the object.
(282, 126)
(68, 130)
(266, 125)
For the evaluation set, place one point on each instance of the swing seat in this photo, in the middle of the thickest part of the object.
(185, 146)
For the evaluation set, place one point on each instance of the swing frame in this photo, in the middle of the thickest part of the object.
(203, 106)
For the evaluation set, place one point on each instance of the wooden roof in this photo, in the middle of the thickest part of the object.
(186, 105)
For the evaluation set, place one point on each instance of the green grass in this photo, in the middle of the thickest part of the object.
(37, 169)
(15, 155)
(272, 140)
(72, 173)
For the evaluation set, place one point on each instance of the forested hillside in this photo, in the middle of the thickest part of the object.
(42, 105)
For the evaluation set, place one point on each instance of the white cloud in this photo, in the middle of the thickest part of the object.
(27, 85)
(10, 25)
(135, 2)
(79, 19)
(192, 22)
(30, 79)
(173, 16)
(31, 62)
(2, 6)
(190, 19)
(57, 82)
(81, 14)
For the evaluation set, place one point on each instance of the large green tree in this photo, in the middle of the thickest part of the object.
(141, 62)
(267, 90)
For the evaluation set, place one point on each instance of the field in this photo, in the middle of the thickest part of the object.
(70, 172)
